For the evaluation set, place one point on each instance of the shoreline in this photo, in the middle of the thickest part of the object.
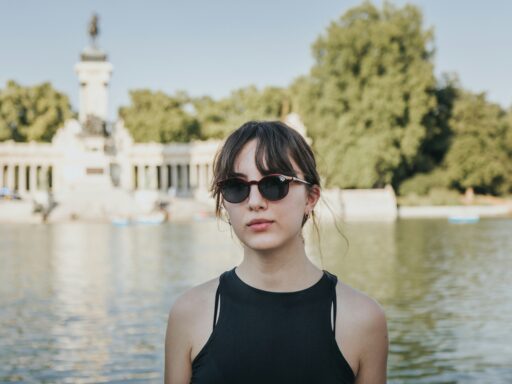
(21, 212)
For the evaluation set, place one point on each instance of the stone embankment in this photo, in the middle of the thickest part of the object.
(176, 209)
(123, 207)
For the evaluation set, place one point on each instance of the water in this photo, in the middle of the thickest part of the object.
(88, 303)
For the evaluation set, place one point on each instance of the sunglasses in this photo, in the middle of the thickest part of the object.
(272, 187)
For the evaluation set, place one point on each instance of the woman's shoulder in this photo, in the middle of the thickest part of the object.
(363, 327)
(195, 298)
(360, 305)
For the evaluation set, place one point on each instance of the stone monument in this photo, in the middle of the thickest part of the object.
(94, 72)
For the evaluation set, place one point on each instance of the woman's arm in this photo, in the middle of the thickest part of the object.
(375, 345)
(178, 368)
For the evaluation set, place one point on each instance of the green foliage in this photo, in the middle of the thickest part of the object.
(439, 133)
(436, 196)
(422, 183)
(32, 113)
(479, 155)
(157, 117)
(219, 118)
(367, 95)
(508, 135)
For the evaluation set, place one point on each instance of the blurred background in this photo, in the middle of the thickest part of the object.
(111, 113)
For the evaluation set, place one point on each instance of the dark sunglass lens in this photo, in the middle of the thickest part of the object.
(234, 190)
(273, 188)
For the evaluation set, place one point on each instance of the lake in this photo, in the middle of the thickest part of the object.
(88, 303)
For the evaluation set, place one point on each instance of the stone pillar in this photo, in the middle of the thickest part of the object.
(1, 175)
(186, 177)
(169, 176)
(174, 170)
(10, 176)
(16, 169)
(22, 179)
(163, 177)
(44, 176)
(199, 169)
(50, 177)
(153, 182)
(200, 184)
(140, 177)
(145, 177)
(33, 178)
(192, 175)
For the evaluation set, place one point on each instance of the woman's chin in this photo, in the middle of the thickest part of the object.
(262, 244)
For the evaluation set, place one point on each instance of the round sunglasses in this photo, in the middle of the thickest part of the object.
(272, 187)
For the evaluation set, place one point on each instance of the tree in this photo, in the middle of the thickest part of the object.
(219, 118)
(157, 117)
(479, 156)
(367, 95)
(32, 113)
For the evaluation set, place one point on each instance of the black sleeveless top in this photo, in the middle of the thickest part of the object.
(269, 337)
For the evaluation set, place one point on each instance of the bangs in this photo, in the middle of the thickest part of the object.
(275, 157)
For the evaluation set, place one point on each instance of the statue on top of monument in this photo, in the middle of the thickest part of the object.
(93, 52)
(94, 29)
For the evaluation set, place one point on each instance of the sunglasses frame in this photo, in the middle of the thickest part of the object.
(249, 183)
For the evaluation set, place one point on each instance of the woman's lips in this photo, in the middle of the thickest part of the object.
(258, 227)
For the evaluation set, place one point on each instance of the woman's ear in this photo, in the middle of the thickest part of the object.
(313, 196)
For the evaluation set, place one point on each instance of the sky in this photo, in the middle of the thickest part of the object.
(207, 47)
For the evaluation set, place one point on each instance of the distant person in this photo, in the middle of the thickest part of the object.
(276, 317)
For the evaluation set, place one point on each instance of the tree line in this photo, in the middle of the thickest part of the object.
(376, 112)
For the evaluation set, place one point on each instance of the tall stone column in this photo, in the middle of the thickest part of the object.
(50, 177)
(193, 175)
(44, 178)
(1, 175)
(169, 175)
(10, 176)
(22, 178)
(33, 178)
(140, 177)
(153, 182)
(145, 177)
(186, 177)
(174, 170)
(163, 177)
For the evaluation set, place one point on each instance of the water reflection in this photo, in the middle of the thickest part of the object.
(88, 302)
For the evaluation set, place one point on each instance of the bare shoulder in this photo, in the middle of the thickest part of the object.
(188, 301)
(191, 306)
(187, 325)
(363, 335)
(364, 309)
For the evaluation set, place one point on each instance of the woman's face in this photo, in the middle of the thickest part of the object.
(286, 214)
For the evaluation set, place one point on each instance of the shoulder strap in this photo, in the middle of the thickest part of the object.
(334, 280)
(217, 294)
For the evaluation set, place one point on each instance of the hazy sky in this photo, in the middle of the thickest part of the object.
(215, 46)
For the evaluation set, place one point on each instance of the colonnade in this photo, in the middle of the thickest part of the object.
(26, 178)
(182, 177)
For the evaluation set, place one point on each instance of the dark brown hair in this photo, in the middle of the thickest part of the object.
(276, 144)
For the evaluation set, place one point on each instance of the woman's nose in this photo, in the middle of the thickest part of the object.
(255, 197)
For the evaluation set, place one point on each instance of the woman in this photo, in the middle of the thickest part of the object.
(276, 317)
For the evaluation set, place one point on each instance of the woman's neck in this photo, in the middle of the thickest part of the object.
(278, 270)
